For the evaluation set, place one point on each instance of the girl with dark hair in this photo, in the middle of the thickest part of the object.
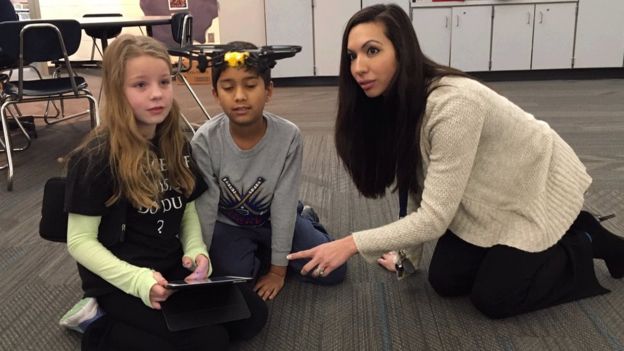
(500, 190)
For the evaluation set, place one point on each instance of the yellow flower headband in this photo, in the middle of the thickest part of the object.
(235, 59)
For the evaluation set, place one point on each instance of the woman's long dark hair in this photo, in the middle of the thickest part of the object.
(378, 139)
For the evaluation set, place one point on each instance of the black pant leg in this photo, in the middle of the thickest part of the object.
(124, 336)
(247, 328)
(454, 265)
(511, 281)
(128, 314)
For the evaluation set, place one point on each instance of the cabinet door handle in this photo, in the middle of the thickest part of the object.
(528, 18)
(446, 20)
(541, 17)
(457, 24)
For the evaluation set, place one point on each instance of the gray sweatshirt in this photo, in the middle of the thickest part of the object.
(249, 188)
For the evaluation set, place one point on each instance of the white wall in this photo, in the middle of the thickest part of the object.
(405, 4)
(242, 20)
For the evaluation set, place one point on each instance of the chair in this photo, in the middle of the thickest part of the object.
(39, 41)
(7, 66)
(182, 31)
(15, 117)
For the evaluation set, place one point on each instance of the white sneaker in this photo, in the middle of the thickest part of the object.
(85, 312)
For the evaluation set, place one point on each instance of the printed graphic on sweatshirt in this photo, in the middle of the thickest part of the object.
(247, 208)
(170, 199)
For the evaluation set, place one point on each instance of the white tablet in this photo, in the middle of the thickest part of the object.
(226, 279)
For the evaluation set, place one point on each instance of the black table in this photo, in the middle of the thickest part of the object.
(105, 22)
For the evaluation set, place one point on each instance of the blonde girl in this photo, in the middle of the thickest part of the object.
(132, 220)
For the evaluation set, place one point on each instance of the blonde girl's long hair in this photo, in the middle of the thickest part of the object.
(134, 165)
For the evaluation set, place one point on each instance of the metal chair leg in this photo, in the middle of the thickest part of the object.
(187, 123)
(94, 114)
(93, 49)
(19, 125)
(60, 113)
(7, 146)
(190, 89)
(15, 116)
(6, 141)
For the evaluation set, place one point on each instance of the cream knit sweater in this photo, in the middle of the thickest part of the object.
(493, 174)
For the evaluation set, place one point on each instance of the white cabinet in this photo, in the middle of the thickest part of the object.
(316, 25)
(470, 38)
(553, 41)
(512, 37)
(403, 3)
(457, 36)
(599, 34)
(289, 22)
(330, 20)
(532, 36)
(477, 36)
(433, 30)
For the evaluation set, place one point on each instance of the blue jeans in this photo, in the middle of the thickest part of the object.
(246, 251)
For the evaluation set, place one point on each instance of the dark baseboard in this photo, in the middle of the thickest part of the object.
(551, 74)
(305, 81)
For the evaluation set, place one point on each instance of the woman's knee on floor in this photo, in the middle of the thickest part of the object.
(446, 285)
(495, 304)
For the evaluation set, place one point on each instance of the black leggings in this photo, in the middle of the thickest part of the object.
(130, 325)
(503, 281)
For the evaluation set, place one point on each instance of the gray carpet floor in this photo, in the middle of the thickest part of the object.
(371, 310)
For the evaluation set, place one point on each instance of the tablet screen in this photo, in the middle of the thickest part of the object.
(227, 279)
